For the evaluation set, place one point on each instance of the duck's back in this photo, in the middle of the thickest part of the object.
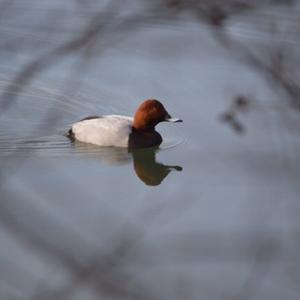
(110, 130)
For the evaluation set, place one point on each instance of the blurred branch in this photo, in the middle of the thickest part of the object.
(274, 66)
(103, 271)
(96, 25)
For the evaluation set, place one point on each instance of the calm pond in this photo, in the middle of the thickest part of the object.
(212, 214)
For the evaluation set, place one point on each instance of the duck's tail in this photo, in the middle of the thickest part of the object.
(70, 134)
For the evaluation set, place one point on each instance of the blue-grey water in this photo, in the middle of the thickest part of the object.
(83, 222)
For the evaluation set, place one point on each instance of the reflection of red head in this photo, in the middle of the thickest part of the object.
(148, 169)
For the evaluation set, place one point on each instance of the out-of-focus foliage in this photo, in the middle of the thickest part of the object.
(115, 270)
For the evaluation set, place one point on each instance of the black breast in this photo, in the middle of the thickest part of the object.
(138, 139)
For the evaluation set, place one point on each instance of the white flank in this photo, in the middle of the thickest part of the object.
(110, 130)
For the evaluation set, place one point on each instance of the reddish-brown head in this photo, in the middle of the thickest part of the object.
(149, 114)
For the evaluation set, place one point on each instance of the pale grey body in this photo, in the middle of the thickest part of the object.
(109, 130)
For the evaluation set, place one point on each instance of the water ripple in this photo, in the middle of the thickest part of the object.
(57, 145)
(28, 126)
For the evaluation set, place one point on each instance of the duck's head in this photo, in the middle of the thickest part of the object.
(149, 114)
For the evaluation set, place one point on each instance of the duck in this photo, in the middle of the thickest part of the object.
(124, 131)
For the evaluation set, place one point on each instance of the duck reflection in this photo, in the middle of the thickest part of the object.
(146, 167)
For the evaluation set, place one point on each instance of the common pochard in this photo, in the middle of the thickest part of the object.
(123, 131)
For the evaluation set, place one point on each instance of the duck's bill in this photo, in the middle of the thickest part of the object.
(173, 120)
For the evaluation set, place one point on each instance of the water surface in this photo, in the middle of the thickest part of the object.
(210, 214)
